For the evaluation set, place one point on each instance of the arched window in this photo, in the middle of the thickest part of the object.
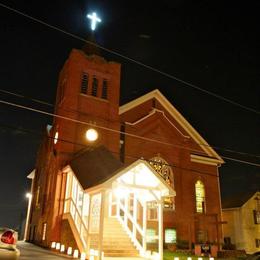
(200, 197)
(163, 168)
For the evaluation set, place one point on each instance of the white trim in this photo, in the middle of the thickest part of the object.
(152, 113)
(123, 171)
(204, 160)
(176, 115)
(231, 209)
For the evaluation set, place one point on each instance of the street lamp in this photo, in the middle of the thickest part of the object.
(91, 135)
(29, 197)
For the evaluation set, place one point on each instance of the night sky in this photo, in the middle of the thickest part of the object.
(213, 45)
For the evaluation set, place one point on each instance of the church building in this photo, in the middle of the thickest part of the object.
(120, 180)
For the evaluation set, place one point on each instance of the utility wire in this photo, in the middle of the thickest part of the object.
(73, 110)
(185, 83)
(117, 153)
(115, 131)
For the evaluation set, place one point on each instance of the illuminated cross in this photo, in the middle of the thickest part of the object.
(94, 19)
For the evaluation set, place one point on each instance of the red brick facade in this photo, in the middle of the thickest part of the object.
(149, 119)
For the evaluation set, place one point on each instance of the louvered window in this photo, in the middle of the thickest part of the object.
(94, 86)
(104, 89)
(84, 83)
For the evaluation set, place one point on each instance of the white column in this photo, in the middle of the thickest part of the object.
(89, 213)
(134, 215)
(118, 206)
(101, 224)
(110, 204)
(144, 225)
(126, 209)
(160, 229)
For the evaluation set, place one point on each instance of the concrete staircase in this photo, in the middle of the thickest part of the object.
(116, 242)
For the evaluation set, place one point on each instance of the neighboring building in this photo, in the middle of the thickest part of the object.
(242, 214)
(145, 154)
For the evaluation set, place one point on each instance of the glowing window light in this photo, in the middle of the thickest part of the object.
(91, 135)
(200, 197)
(151, 235)
(189, 258)
(94, 20)
(56, 137)
(211, 258)
(200, 258)
(176, 258)
(170, 235)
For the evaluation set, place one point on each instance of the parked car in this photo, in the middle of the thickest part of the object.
(8, 240)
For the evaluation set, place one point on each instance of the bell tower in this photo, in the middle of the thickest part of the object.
(87, 97)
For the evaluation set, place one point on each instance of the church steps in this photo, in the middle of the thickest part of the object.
(116, 242)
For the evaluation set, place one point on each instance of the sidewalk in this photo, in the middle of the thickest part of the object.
(30, 251)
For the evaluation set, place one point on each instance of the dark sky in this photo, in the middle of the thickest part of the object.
(211, 44)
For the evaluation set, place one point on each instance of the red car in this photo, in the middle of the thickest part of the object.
(8, 240)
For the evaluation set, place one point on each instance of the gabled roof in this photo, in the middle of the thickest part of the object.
(177, 116)
(237, 200)
(94, 166)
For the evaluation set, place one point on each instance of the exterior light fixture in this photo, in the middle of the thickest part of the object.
(57, 246)
(83, 256)
(56, 136)
(69, 251)
(62, 249)
(91, 135)
(28, 195)
(76, 253)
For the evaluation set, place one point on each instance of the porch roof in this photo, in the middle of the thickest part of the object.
(94, 166)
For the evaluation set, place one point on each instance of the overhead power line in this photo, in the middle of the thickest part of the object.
(187, 170)
(115, 131)
(73, 110)
(185, 83)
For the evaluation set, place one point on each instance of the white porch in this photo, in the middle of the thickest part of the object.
(131, 202)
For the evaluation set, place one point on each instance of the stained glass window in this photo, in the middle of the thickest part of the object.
(163, 168)
(200, 197)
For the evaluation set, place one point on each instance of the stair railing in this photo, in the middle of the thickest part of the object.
(136, 227)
